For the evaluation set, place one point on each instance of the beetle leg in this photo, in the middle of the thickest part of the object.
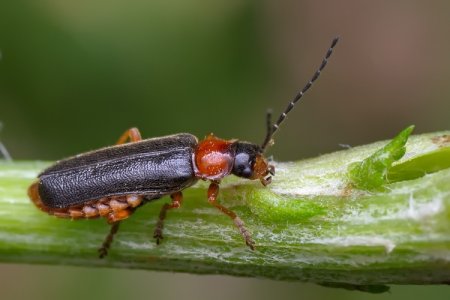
(176, 203)
(132, 135)
(114, 219)
(103, 250)
(213, 192)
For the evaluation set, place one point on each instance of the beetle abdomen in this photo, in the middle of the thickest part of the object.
(154, 167)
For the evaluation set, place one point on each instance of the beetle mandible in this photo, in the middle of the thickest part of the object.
(113, 182)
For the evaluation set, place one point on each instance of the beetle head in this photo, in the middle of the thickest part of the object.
(249, 162)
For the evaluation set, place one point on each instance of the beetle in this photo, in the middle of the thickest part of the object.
(114, 181)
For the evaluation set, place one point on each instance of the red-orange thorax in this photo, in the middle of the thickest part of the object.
(213, 158)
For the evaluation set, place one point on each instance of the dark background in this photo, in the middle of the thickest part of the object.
(75, 74)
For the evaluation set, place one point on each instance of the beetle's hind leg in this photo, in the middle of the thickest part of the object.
(176, 203)
(131, 135)
(103, 250)
(114, 219)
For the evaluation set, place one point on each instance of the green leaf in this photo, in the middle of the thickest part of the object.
(371, 173)
(421, 165)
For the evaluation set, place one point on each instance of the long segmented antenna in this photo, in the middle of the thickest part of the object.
(272, 129)
(269, 121)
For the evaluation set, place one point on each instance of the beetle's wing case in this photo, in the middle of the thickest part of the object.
(152, 167)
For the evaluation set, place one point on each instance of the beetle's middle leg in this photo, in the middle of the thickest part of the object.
(177, 198)
(213, 192)
(132, 134)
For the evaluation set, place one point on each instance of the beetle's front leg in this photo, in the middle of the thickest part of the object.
(213, 192)
(177, 198)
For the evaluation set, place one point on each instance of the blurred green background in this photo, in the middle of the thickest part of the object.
(75, 74)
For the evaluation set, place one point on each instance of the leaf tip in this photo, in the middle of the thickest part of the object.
(370, 173)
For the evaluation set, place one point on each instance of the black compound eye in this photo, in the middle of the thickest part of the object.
(243, 165)
(247, 172)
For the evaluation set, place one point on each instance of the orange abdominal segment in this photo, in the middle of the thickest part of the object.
(114, 208)
(213, 158)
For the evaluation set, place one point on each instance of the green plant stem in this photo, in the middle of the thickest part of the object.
(309, 225)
